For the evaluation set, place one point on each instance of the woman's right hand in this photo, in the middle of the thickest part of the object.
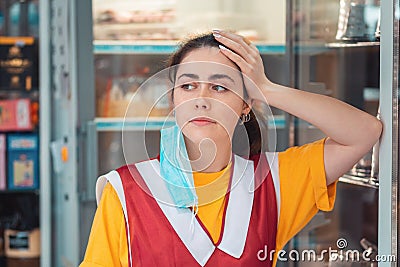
(248, 58)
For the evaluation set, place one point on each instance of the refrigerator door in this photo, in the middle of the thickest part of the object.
(71, 94)
(331, 56)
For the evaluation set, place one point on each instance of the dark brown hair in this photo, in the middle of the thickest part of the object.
(239, 145)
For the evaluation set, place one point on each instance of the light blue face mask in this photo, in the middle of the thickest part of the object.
(175, 168)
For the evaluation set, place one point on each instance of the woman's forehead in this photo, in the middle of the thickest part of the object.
(206, 63)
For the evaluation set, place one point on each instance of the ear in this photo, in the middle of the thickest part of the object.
(246, 108)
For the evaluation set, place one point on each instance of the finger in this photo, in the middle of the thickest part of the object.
(235, 37)
(234, 46)
(247, 41)
(243, 64)
(251, 48)
(238, 44)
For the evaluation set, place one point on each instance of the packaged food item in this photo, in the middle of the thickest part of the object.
(2, 162)
(160, 101)
(15, 115)
(122, 98)
(357, 21)
(22, 244)
(135, 20)
(18, 63)
(23, 163)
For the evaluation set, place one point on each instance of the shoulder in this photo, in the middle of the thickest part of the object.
(110, 200)
(309, 149)
(109, 191)
(303, 157)
(132, 167)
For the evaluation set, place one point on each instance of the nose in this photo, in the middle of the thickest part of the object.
(202, 101)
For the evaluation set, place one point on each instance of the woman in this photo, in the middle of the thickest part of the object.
(242, 205)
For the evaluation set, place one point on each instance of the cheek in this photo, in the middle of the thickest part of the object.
(182, 109)
(181, 98)
(228, 112)
(234, 104)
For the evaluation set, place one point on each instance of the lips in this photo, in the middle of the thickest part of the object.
(202, 121)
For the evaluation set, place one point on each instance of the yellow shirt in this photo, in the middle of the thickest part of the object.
(211, 189)
(303, 192)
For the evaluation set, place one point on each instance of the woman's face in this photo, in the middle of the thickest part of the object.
(208, 96)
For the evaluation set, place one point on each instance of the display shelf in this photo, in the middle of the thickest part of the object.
(162, 47)
(133, 26)
(167, 47)
(157, 123)
(34, 90)
(361, 181)
(314, 48)
(355, 44)
(132, 124)
(278, 121)
(19, 191)
(310, 48)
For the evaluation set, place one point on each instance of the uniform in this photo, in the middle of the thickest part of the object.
(283, 202)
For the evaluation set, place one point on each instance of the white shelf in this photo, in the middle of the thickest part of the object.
(156, 123)
(357, 44)
(315, 47)
(361, 181)
(162, 47)
(132, 124)
(133, 26)
(148, 47)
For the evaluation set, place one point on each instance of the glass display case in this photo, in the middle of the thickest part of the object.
(336, 52)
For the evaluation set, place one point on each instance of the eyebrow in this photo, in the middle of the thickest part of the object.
(212, 77)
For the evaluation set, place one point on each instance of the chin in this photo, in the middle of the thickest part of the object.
(196, 134)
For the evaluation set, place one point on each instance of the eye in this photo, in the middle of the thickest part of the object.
(219, 88)
(188, 86)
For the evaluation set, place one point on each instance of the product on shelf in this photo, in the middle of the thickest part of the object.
(358, 20)
(135, 16)
(138, 20)
(16, 115)
(20, 18)
(18, 63)
(23, 163)
(160, 103)
(122, 98)
(22, 244)
(35, 113)
(117, 97)
(2, 162)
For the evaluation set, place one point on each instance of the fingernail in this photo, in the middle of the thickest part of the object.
(216, 30)
(222, 47)
(217, 35)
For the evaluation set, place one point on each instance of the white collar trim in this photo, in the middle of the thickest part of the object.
(237, 217)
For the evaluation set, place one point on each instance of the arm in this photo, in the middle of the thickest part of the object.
(107, 245)
(351, 132)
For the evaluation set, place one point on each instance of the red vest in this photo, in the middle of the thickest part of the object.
(154, 241)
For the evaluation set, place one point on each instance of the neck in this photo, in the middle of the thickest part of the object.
(208, 155)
